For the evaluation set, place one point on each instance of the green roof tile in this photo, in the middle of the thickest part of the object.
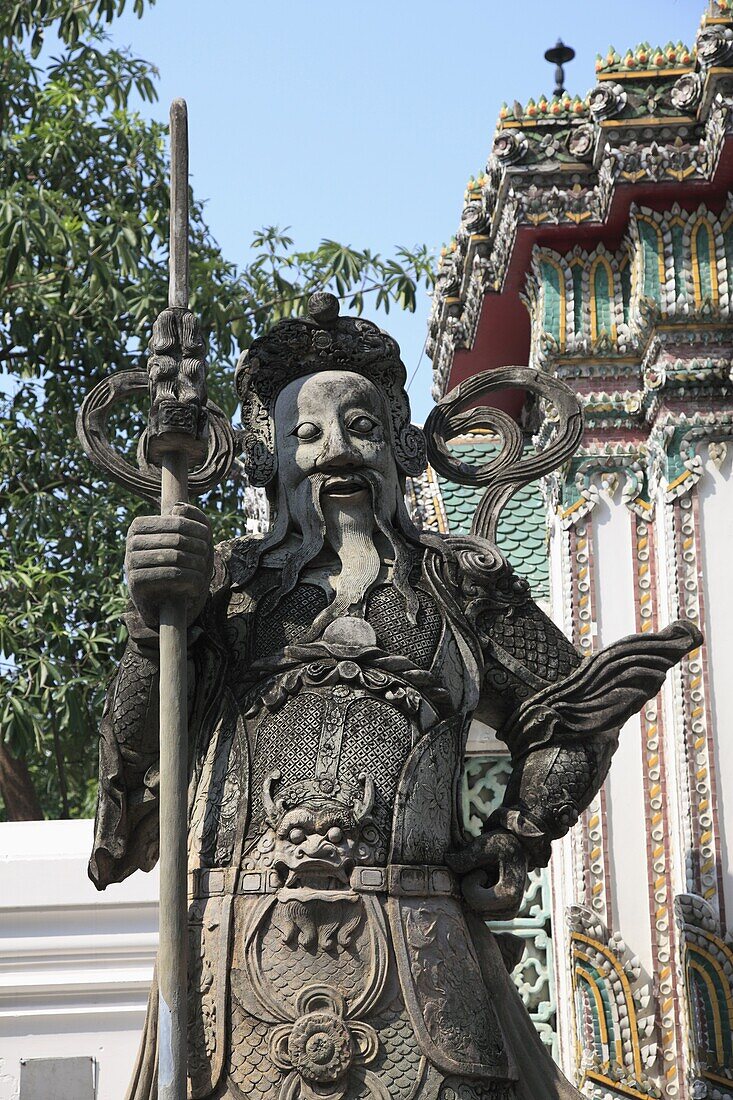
(522, 530)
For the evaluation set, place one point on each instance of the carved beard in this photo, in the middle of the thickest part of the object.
(352, 540)
(351, 534)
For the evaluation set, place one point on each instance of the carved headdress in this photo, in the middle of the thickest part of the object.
(323, 341)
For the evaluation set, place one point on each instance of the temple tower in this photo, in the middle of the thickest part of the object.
(598, 245)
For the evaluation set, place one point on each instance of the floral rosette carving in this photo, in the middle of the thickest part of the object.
(320, 1046)
(581, 141)
(510, 148)
(685, 94)
(607, 101)
(473, 218)
(715, 46)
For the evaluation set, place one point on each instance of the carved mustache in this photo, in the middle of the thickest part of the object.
(363, 477)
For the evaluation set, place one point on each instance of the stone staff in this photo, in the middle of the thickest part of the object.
(188, 446)
(176, 431)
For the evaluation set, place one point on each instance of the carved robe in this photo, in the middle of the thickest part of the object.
(376, 980)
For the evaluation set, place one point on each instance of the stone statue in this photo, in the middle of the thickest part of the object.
(337, 944)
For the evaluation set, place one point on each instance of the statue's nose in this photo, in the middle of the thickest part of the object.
(316, 846)
(338, 450)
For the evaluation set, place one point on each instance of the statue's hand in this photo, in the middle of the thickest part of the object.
(169, 556)
(493, 870)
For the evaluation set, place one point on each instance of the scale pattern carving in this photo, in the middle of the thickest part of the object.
(249, 1059)
(289, 966)
(287, 742)
(455, 1089)
(377, 739)
(131, 700)
(386, 614)
(295, 613)
(528, 636)
(399, 1063)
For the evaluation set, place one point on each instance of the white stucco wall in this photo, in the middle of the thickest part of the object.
(624, 786)
(716, 536)
(75, 964)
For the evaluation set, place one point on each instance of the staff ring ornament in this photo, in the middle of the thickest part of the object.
(94, 434)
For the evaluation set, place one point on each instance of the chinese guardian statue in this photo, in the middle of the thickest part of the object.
(338, 948)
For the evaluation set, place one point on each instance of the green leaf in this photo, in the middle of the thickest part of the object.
(83, 253)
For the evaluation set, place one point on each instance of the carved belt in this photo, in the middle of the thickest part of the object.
(397, 880)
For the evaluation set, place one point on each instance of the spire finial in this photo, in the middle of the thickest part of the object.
(559, 56)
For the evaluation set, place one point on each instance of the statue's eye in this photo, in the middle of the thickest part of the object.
(296, 835)
(335, 835)
(362, 425)
(307, 431)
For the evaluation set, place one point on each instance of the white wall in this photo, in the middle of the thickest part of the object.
(627, 831)
(75, 964)
(716, 521)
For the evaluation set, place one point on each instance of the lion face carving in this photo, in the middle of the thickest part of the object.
(316, 833)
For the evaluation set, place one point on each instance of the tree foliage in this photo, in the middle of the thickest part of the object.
(83, 272)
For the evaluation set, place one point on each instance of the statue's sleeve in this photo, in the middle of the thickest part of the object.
(524, 652)
(126, 823)
(562, 714)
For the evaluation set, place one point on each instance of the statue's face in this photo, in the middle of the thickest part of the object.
(333, 423)
(338, 496)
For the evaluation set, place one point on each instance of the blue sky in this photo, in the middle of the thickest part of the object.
(363, 121)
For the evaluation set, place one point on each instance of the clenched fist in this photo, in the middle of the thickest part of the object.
(169, 556)
(493, 870)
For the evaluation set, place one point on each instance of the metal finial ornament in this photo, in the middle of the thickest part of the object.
(559, 56)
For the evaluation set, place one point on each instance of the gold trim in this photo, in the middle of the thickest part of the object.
(612, 361)
(713, 993)
(678, 480)
(518, 124)
(581, 972)
(593, 1075)
(694, 327)
(573, 508)
(615, 1040)
(648, 120)
(580, 937)
(695, 949)
(710, 1075)
(627, 74)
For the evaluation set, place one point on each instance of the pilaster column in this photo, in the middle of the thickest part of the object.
(657, 821)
